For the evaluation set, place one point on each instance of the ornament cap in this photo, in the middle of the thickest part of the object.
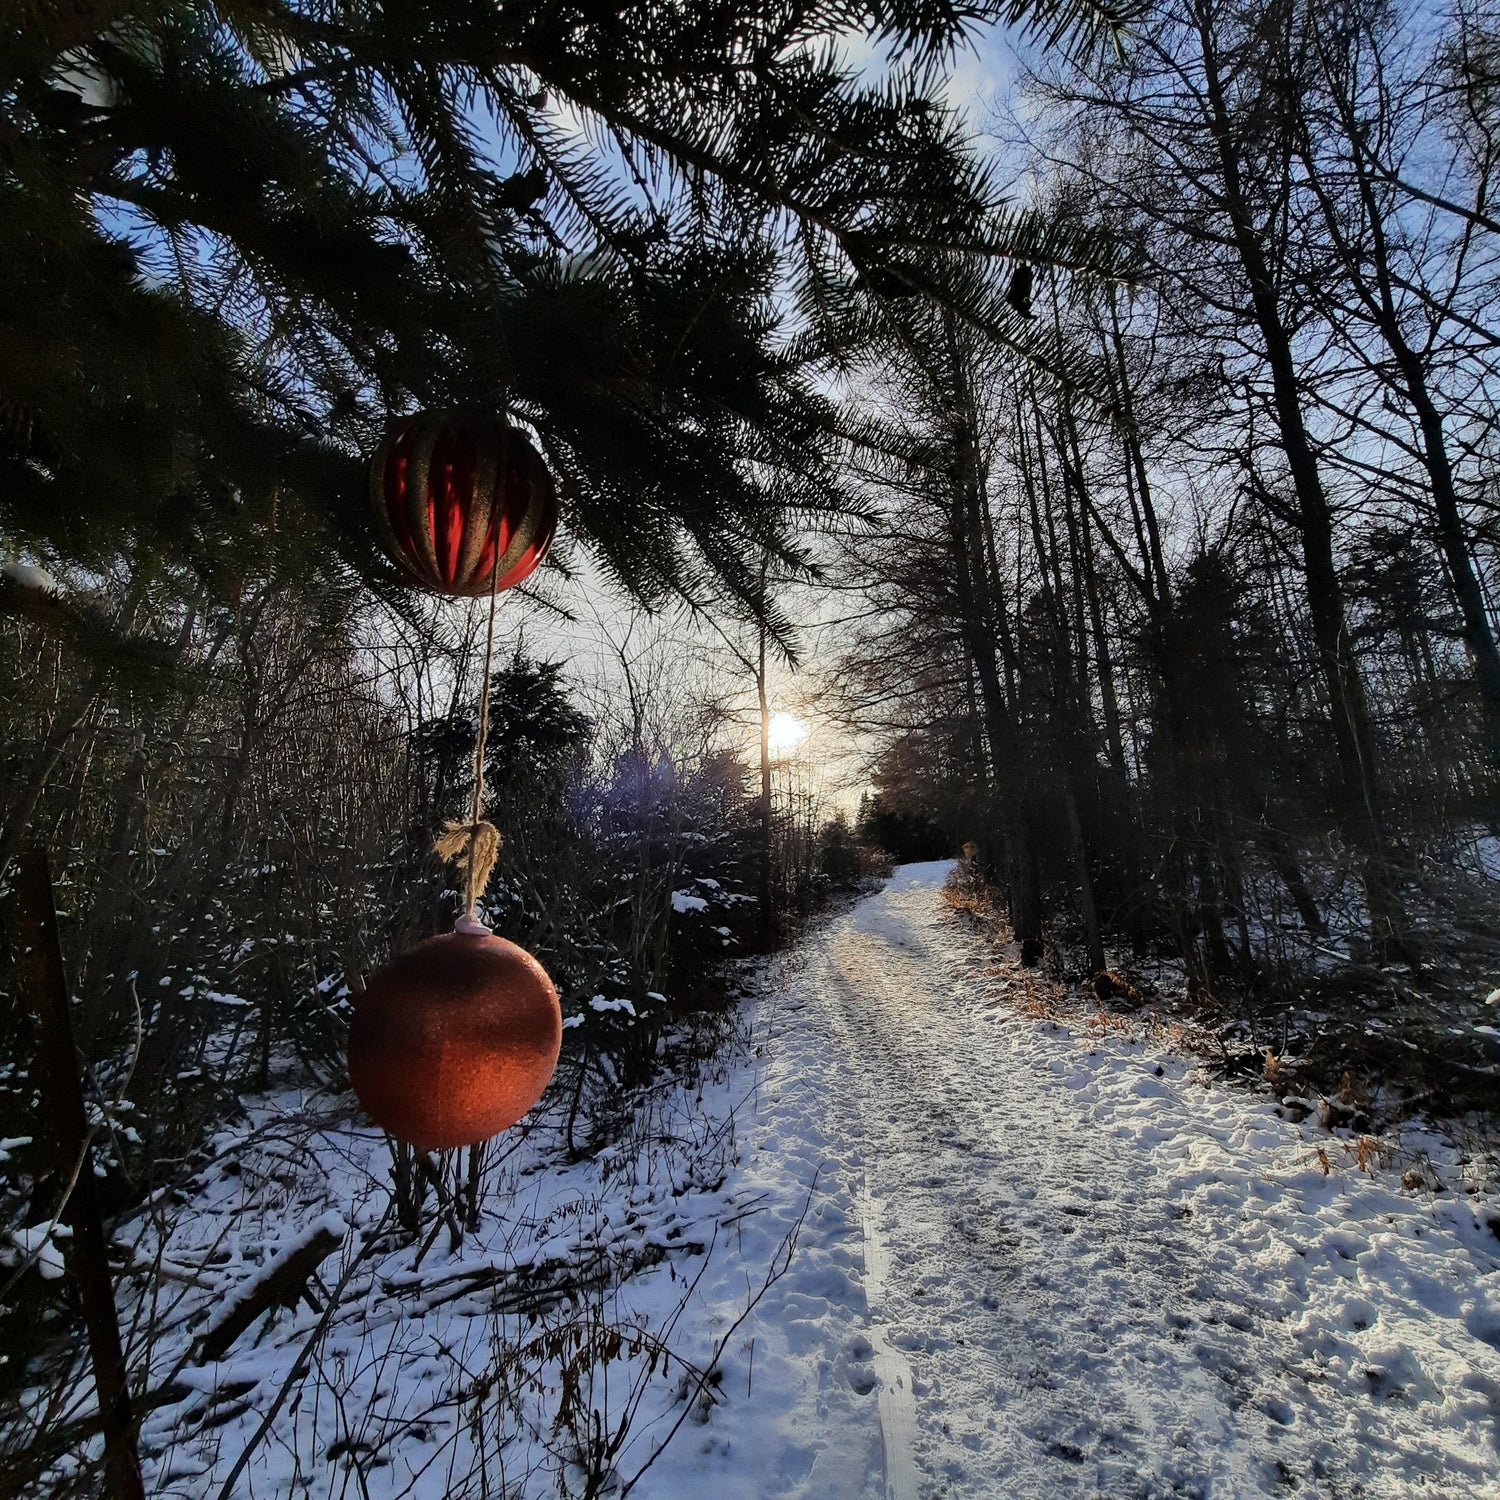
(471, 927)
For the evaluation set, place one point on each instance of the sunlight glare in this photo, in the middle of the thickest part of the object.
(786, 733)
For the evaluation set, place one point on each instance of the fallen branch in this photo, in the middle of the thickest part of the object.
(284, 1283)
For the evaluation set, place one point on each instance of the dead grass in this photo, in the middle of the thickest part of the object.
(1365, 1153)
(966, 891)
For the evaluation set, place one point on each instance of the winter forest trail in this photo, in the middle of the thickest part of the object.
(916, 1240)
(1039, 1262)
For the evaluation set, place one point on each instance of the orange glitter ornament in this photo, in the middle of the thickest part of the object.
(455, 1040)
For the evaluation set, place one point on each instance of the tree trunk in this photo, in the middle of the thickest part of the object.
(765, 885)
(88, 1253)
(975, 593)
(1093, 935)
(1360, 803)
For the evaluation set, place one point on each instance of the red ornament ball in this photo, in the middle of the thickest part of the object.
(453, 1041)
(453, 494)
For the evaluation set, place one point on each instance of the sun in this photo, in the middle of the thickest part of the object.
(786, 733)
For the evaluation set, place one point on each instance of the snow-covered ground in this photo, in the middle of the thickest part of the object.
(1046, 1261)
(916, 1241)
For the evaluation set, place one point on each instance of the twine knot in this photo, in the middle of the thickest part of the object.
(473, 847)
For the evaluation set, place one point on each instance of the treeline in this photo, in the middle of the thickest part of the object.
(1199, 645)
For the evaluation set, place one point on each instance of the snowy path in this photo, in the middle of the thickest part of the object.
(1038, 1262)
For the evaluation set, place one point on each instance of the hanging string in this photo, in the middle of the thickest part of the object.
(476, 844)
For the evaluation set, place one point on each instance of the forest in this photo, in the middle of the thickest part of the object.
(1084, 474)
(1198, 644)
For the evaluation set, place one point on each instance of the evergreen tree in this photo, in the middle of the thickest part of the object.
(243, 235)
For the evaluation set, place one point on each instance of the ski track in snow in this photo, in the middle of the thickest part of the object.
(1087, 1272)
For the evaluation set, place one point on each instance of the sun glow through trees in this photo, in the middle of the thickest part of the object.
(786, 732)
